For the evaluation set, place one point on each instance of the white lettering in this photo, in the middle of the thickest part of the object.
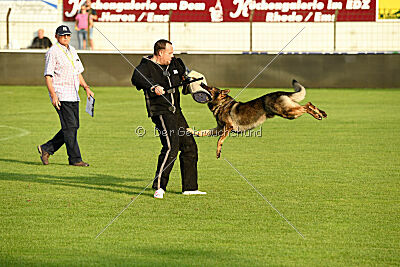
(304, 6)
(243, 6)
(308, 17)
(366, 4)
(151, 17)
(168, 6)
(75, 8)
(357, 4)
(121, 6)
(276, 17)
(281, 11)
(349, 4)
(334, 5)
(319, 17)
(184, 5)
(108, 17)
(285, 7)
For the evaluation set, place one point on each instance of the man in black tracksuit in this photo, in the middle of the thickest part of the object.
(154, 75)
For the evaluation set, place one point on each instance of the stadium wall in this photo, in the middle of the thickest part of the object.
(224, 70)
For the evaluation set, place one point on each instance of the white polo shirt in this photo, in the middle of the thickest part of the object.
(64, 65)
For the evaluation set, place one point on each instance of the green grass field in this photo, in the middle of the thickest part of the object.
(336, 180)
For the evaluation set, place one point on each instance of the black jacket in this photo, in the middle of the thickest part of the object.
(152, 74)
(41, 43)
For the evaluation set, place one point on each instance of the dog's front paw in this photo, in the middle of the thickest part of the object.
(218, 154)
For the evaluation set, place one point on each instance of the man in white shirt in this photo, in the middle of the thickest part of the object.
(63, 75)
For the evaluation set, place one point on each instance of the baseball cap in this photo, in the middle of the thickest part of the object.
(63, 30)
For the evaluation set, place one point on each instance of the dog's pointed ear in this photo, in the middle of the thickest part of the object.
(225, 92)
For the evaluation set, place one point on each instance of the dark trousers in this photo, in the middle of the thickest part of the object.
(69, 118)
(174, 138)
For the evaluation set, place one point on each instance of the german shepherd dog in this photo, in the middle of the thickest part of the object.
(239, 117)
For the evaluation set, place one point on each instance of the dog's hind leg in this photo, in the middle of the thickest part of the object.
(314, 111)
(221, 140)
(295, 112)
(209, 132)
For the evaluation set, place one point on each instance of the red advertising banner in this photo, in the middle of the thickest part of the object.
(226, 10)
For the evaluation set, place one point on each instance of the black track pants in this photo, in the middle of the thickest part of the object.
(174, 138)
(69, 118)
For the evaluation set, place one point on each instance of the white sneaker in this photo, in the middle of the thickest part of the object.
(195, 192)
(159, 193)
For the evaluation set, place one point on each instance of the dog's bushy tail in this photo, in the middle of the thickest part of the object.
(300, 93)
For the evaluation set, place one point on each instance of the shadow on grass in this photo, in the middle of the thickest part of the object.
(141, 256)
(93, 182)
(37, 163)
(186, 256)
